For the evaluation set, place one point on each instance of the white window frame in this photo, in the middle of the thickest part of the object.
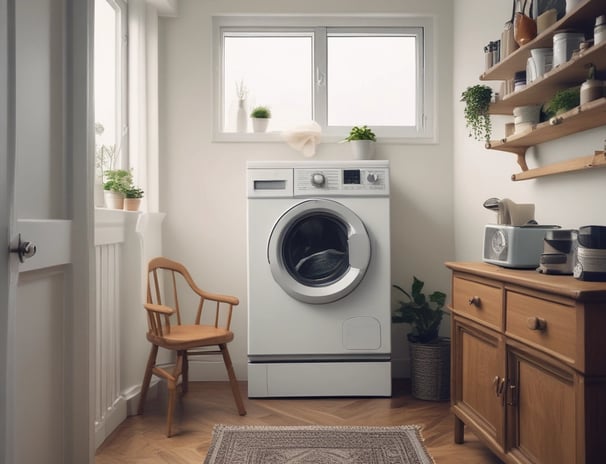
(421, 27)
(121, 81)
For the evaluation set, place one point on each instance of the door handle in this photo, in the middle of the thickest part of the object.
(24, 249)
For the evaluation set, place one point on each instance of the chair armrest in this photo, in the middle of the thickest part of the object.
(232, 300)
(156, 308)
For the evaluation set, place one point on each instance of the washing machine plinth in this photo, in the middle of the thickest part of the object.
(301, 379)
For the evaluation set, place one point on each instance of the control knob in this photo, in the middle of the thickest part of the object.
(372, 177)
(318, 179)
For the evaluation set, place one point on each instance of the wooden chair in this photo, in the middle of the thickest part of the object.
(166, 281)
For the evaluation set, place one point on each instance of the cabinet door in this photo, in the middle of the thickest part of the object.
(541, 409)
(477, 379)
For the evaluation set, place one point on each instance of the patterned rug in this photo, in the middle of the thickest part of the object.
(317, 445)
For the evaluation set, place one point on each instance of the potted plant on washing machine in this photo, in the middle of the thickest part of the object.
(363, 141)
(429, 353)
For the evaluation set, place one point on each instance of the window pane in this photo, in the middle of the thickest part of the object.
(274, 71)
(371, 80)
(106, 97)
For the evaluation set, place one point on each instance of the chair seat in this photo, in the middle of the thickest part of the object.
(185, 337)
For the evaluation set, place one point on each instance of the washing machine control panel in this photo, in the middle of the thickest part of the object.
(336, 181)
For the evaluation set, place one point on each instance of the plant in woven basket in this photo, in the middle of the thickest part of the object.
(423, 313)
(477, 103)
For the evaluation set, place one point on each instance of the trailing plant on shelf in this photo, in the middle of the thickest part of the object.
(423, 313)
(360, 133)
(477, 103)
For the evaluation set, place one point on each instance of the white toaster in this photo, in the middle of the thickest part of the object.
(514, 246)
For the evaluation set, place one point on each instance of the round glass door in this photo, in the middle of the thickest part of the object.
(319, 251)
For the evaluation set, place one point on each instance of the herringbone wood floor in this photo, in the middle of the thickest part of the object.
(142, 439)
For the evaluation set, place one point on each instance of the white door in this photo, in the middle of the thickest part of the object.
(45, 322)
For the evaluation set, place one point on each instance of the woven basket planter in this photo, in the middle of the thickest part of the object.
(430, 370)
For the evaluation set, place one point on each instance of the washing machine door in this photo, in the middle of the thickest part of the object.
(319, 251)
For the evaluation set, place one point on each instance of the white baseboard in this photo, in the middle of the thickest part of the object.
(112, 419)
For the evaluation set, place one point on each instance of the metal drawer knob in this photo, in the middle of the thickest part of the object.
(536, 323)
(474, 301)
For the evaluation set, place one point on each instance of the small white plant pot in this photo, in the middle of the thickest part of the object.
(260, 124)
(363, 149)
(132, 204)
(113, 200)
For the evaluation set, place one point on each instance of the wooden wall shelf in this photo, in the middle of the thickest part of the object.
(566, 75)
(597, 160)
(582, 18)
(581, 118)
(570, 74)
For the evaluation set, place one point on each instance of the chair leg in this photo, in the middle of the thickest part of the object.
(185, 374)
(172, 392)
(151, 362)
(232, 379)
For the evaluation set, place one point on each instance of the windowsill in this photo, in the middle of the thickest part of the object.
(276, 137)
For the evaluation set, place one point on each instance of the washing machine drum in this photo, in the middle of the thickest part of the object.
(319, 251)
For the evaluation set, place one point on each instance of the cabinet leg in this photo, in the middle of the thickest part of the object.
(458, 430)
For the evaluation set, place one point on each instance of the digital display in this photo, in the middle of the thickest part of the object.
(351, 176)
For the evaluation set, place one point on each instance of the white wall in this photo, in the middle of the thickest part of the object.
(570, 200)
(203, 183)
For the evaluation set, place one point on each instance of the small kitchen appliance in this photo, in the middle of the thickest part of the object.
(591, 254)
(559, 248)
(517, 240)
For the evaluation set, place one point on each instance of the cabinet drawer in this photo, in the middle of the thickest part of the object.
(547, 324)
(478, 300)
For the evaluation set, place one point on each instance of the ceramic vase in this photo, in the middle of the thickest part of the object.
(524, 28)
(242, 121)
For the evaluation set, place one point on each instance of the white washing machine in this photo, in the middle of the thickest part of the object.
(319, 283)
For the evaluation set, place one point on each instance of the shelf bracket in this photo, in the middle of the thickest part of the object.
(519, 151)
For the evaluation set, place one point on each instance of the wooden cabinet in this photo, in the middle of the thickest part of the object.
(529, 363)
(568, 74)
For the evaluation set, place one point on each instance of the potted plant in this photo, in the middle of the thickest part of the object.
(116, 182)
(363, 142)
(477, 103)
(562, 101)
(260, 117)
(429, 353)
(133, 196)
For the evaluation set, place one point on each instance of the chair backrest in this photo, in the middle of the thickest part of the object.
(169, 284)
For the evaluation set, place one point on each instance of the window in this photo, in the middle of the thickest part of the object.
(110, 85)
(346, 72)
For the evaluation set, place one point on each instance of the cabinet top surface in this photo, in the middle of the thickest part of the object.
(563, 285)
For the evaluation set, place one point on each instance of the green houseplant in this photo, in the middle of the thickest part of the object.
(429, 353)
(477, 119)
(260, 117)
(361, 133)
(133, 196)
(362, 140)
(564, 100)
(417, 311)
(260, 112)
(116, 182)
